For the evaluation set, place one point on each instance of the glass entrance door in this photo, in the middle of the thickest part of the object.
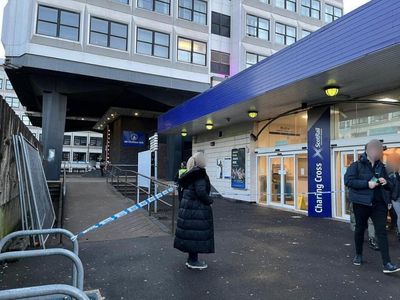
(281, 183)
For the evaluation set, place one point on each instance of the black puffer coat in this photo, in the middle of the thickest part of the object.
(195, 228)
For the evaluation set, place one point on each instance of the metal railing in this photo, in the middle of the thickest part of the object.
(125, 179)
(62, 232)
(42, 291)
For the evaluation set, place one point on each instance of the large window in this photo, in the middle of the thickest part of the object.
(286, 4)
(191, 51)
(311, 8)
(220, 24)
(9, 85)
(79, 156)
(13, 102)
(253, 58)
(94, 156)
(193, 10)
(220, 62)
(25, 120)
(58, 23)
(108, 34)
(257, 27)
(80, 140)
(67, 140)
(66, 156)
(1, 83)
(96, 141)
(332, 13)
(152, 43)
(285, 34)
(305, 33)
(159, 6)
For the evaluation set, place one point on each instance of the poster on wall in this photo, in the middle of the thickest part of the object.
(144, 168)
(227, 168)
(319, 163)
(220, 168)
(133, 139)
(238, 172)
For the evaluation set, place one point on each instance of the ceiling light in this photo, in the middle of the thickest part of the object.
(331, 91)
(252, 114)
(209, 125)
(388, 100)
(183, 132)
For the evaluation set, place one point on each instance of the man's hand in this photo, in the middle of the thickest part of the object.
(382, 181)
(372, 184)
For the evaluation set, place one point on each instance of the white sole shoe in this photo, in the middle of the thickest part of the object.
(194, 267)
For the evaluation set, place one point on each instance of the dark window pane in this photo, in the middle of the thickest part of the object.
(48, 14)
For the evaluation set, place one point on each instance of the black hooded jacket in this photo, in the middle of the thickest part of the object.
(195, 229)
(358, 175)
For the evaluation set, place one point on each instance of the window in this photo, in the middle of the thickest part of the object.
(152, 43)
(220, 62)
(80, 140)
(305, 33)
(332, 13)
(8, 85)
(311, 8)
(66, 156)
(193, 10)
(67, 140)
(94, 156)
(25, 120)
(252, 59)
(286, 4)
(220, 24)
(159, 6)
(79, 156)
(265, 1)
(12, 101)
(122, 1)
(191, 51)
(108, 34)
(96, 141)
(257, 27)
(1, 83)
(285, 34)
(58, 23)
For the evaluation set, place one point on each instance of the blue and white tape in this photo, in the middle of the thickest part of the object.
(124, 213)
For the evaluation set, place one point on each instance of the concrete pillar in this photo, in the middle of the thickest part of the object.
(53, 126)
(174, 155)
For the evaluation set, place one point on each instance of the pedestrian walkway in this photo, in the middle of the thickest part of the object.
(90, 200)
(261, 253)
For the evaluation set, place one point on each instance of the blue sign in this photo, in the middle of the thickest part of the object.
(238, 168)
(319, 163)
(133, 139)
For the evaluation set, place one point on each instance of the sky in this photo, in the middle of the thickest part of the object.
(349, 5)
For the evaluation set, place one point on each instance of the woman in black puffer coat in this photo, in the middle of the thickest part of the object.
(195, 229)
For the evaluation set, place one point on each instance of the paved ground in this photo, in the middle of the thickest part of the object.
(261, 253)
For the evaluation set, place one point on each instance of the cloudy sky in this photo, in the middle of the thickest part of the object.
(349, 5)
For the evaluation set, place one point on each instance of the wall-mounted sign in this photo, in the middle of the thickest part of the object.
(133, 139)
(227, 167)
(238, 176)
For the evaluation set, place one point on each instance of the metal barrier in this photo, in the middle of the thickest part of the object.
(41, 291)
(50, 252)
(119, 175)
(13, 235)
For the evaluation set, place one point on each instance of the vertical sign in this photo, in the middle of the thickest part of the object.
(238, 177)
(319, 164)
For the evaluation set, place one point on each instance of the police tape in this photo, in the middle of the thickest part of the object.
(124, 212)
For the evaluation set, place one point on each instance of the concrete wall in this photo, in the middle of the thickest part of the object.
(10, 124)
(218, 144)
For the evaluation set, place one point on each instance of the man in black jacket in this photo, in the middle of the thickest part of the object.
(369, 190)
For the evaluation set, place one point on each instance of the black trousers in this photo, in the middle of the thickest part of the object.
(378, 213)
(193, 257)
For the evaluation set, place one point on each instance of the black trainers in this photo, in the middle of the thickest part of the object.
(196, 265)
(357, 260)
(390, 268)
(373, 244)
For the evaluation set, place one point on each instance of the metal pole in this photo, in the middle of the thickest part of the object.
(173, 213)
(43, 290)
(137, 188)
(156, 177)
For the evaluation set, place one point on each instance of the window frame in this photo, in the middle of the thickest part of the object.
(108, 34)
(10, 100)
(258, 27)
(192, 11)
(286, 33)
(220, 62)
(220, 15)
(285, 6)
(8, 85)
(333, 16)
(191, 51)
(154, 6)
(258, 56)
(80, 137)
(310, 9)
(58, 24)
(153, 33)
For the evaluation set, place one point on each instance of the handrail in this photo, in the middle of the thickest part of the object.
(44, 290)
(49, 252)
(60, 231)
(144, 176)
